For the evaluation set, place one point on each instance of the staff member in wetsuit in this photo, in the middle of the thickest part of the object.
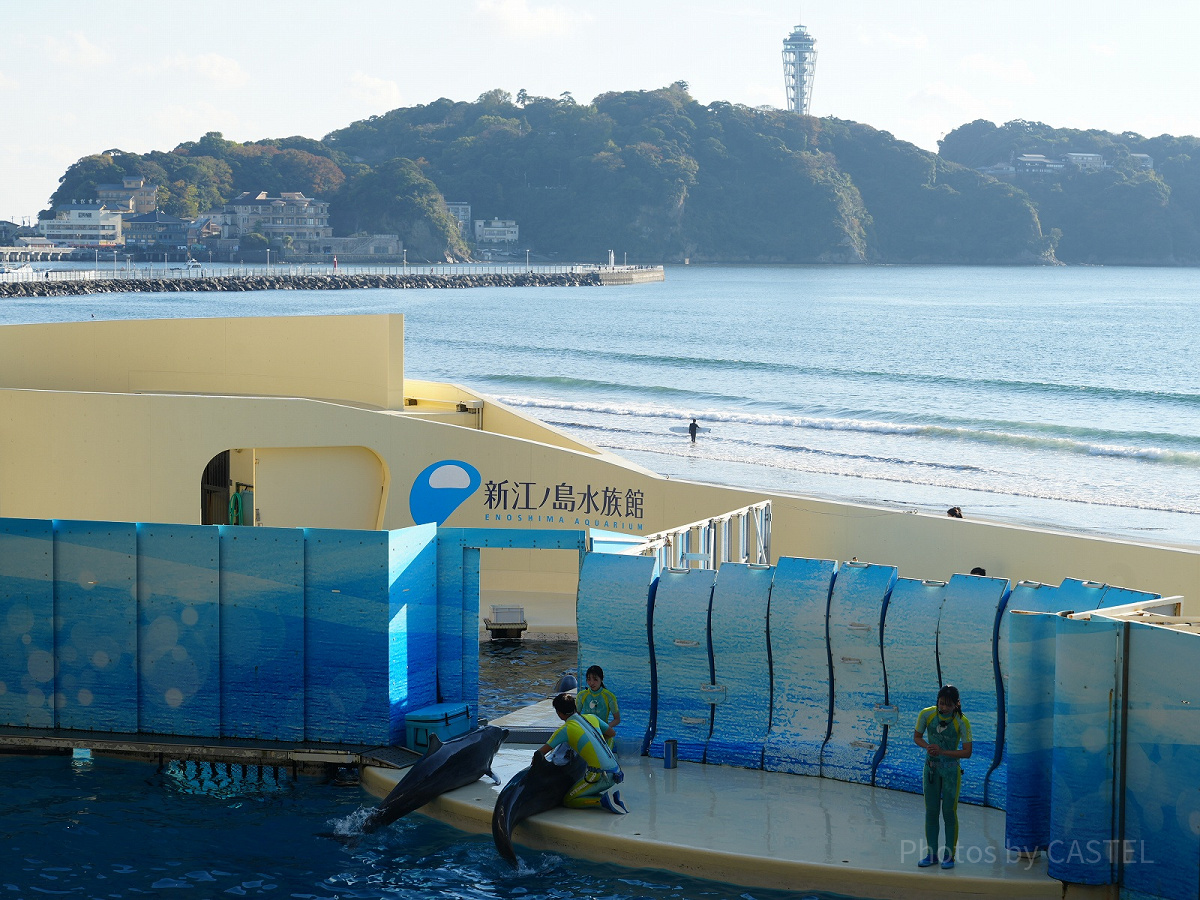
(585, 734)
(939, 731)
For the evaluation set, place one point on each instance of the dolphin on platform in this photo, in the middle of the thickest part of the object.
(444, 767)
(540, 787)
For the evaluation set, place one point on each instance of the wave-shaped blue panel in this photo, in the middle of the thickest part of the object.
(1086, 697)
(412, 624)
(1162, 765)
(1029, 727)
(856, 614)
(1029, 597)
(1077, 595)
(801, 703)
(179, 661)
(95, 590)
(1119, 596)
(742, 666)
(910, 660)
(346, 636)
(967, 648)
(682, 663)
(612, 617)
(27, 623)
(262, 633)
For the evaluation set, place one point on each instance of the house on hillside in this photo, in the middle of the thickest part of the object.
(132, 197)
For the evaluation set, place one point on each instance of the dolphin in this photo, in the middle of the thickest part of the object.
(444, 767)
(536, 789)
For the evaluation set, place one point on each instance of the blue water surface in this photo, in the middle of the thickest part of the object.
(122, 829)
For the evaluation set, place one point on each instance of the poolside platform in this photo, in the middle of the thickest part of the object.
(754, 828)
(296, 755)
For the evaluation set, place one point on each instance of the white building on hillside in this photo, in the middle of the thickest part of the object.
(496, 231)
(83, 225)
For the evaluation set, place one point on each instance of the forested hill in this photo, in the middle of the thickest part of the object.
(1124, 213)
(653, 174)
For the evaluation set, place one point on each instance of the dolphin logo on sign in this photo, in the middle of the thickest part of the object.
(440, 489)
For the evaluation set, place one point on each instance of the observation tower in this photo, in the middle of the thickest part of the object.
(799, 63)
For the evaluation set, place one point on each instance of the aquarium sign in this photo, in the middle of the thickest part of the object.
(444, 486)
(560, 503)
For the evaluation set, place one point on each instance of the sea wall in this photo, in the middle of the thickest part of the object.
(236, 283)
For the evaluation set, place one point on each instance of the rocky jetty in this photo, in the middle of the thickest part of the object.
(237, 283)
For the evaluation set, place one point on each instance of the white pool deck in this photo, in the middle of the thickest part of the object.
(754, 828)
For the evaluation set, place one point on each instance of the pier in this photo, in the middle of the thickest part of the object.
(68, 282)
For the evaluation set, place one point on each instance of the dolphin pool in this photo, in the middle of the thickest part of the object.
(114, 828)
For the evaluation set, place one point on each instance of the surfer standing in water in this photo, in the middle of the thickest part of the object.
(692, 429)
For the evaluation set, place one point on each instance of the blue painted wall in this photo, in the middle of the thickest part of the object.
(741, 665)
(223, 631)
(853, 653)
(802, 683)
(616, 594)
(683, 661)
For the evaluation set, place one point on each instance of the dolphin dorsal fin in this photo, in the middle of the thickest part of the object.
(435, 744)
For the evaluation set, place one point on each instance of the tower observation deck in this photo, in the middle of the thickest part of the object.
(799, 63)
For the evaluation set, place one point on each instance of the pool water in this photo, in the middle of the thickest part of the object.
(114, 828)
(514, 674)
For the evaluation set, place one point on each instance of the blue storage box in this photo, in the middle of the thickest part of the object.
(446, 720)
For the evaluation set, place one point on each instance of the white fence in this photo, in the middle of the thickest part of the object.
(741, 535)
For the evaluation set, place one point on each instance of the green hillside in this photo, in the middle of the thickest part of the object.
(659, 177)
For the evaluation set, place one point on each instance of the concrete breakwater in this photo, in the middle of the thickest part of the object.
(322, 282)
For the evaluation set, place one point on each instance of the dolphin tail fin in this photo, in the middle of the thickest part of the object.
(492, 775)
(435, 744)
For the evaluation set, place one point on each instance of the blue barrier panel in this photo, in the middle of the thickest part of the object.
(1162, 764)
(346, 636)
(910, 661)
(412, 624)
(802, 694)
(1027, 596)
(682, 661)
(967, 648)
(95, 590)
(1119, 596)
(1079, 596)
(468, 631)
(741, 664)
(262, 633)
(450, 565)
(612, 618)
(1029, 728)
(857, 608)
(179, 661)
(1086, 707)
(26, 623)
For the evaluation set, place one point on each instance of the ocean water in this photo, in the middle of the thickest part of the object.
(112, 828)
(1061, 397)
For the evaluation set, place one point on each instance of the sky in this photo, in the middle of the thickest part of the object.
(78, 79)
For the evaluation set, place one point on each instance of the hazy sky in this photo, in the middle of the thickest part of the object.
(81, 78)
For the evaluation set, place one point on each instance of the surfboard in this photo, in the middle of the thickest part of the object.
(683, 429)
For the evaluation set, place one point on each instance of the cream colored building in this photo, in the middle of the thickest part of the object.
(317, 417)
(83, 225)
(132, 196)
(291, 214)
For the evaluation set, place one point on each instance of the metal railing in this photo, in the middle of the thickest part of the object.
(741, 535)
